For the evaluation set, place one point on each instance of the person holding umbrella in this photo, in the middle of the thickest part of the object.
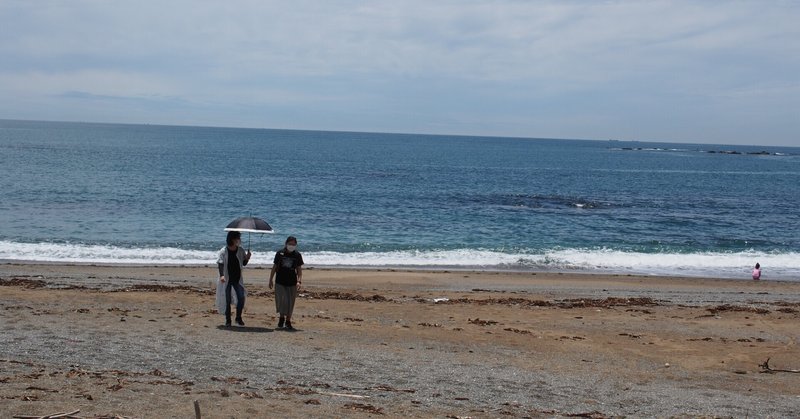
(287, 265)
(232, 258)
(231, 261)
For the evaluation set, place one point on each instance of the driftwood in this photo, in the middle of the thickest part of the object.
(70, 415)
(767, 369)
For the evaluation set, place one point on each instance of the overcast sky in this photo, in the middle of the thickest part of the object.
(681, 71)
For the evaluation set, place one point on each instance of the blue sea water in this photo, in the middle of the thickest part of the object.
(141, 194)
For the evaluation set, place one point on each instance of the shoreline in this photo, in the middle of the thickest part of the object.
(408, 268)
(111, 276)
(131, 341)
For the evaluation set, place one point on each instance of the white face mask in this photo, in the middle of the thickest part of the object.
(290, 247)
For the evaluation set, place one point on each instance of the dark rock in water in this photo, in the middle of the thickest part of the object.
(760, 153)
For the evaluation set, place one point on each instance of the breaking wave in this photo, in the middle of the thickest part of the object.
(708, 264)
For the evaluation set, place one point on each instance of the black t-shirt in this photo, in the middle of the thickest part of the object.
(287, 263)
(234, 270)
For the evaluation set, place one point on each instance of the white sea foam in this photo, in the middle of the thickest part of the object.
(713, 264)
(726, 265)
(79, 253)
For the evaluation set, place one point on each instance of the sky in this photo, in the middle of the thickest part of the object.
(723, 72)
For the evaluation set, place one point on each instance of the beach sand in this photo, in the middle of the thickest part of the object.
(147, 342)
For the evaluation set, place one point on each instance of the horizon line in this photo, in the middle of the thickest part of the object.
(385, 132)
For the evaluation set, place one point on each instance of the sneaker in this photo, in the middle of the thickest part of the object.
(289, 325)
(239, 321)
(280, 322)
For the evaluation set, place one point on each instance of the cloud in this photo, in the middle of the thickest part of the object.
(445, 66)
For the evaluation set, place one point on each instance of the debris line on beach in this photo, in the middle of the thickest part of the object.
(765, 368)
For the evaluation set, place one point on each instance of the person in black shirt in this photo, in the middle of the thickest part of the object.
(232, 258)
(287, 265)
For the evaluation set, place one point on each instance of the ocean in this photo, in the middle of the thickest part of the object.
(161, 195)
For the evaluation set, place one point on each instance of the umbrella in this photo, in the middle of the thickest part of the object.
(250, 225)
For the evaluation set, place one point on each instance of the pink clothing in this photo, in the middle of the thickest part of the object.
(756, 274)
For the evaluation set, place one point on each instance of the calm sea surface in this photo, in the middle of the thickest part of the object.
(133, 194)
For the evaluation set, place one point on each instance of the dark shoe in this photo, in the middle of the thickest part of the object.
(228, 322)
(289, 325)
(239, 321)
(280, 322)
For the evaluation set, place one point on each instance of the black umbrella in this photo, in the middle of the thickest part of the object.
(250, 225)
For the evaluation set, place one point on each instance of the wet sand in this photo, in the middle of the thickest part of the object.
(147, 342)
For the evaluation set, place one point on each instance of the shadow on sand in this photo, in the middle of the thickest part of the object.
(246, 329)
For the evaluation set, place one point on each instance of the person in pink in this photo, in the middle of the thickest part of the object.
(757, 272)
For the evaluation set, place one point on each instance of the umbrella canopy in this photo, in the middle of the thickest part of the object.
(250, 225)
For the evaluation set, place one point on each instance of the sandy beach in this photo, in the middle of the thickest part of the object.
(147, 342)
